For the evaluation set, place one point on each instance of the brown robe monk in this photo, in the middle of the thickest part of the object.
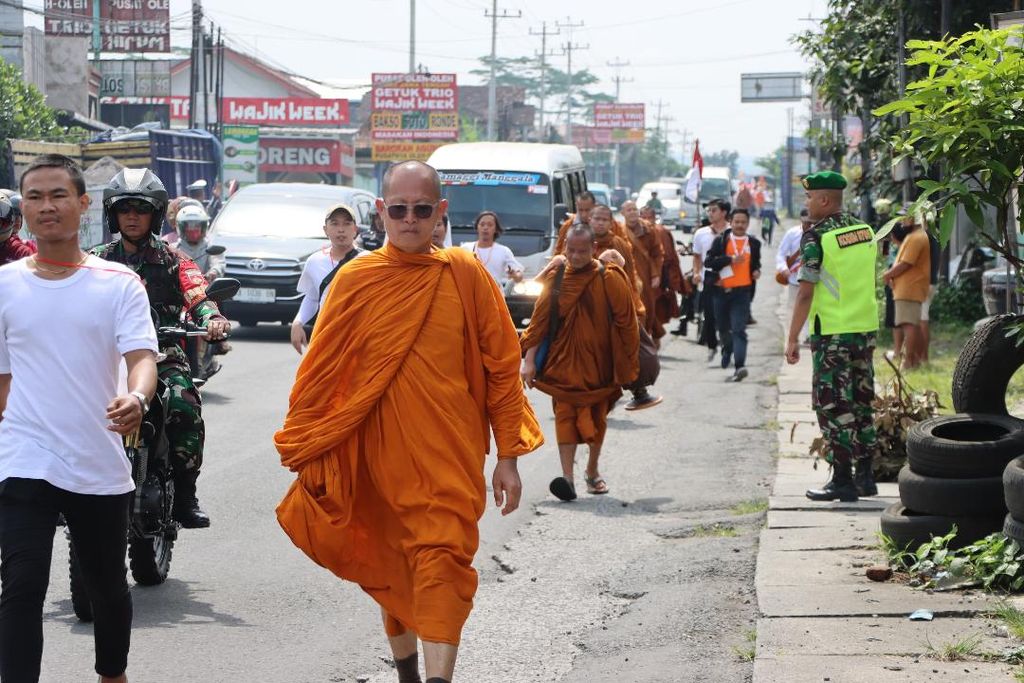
(666, 305)
(414, 360)
(617, 228)
(648, 261)
(595, 352)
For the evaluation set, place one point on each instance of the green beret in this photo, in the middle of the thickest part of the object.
(824, 180)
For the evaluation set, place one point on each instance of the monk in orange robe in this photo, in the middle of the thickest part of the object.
(593, 354)
(666, 303)
(648, 259)
(414, 360)
(585, 203)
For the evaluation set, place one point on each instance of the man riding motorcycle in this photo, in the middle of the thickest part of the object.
(133, 206)
(12, 248)
(193, 223)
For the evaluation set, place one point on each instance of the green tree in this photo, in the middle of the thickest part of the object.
(966, 113)
(728, 158)
(23, 115)
(772, 163)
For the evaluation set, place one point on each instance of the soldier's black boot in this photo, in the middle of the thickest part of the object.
(840, 487)
(186, 507)
(865, 479)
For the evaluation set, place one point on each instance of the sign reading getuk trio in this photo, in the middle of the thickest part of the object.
(412, 114)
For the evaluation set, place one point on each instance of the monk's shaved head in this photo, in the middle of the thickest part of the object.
(579, 246)
(426, 172)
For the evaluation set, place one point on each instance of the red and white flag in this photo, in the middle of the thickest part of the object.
(696, 174)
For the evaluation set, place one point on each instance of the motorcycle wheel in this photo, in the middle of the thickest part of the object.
(150, 559)
(80, 602)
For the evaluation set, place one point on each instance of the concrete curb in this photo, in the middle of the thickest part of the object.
(820, 618)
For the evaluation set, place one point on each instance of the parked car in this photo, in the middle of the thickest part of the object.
(993, 288)
(269, 230)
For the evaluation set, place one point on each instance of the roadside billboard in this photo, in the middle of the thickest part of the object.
(125, 25)
(412, 114)
(241, 154)
(135, 78)
(305, 155)
(285, 111)
(616, 123)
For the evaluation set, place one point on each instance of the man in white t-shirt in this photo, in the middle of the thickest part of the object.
(320, 268)
(498, 259)
(67, 320)
(718, 213)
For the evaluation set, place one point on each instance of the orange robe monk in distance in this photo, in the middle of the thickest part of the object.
(595, 352)
(413, 360)
(563, 231)
(666, 303)
(648, 260)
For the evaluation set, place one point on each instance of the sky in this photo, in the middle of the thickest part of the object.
(687, 54)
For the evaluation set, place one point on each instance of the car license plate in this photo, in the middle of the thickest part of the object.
(255, 295)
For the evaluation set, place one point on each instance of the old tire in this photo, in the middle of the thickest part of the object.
(951, 497)
(80, 603)
(150, 559)
(985, 366)
(1014, 529)
(1013, 487)
(964, 446)
(909, 529)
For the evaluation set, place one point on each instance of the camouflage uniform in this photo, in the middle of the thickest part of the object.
(174, 284)
(844, 375)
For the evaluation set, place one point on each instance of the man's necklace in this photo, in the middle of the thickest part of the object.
(59, 271)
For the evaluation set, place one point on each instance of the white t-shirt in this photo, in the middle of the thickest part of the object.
(62, 341)
(497, 259)
(317, 267)
(789, 245)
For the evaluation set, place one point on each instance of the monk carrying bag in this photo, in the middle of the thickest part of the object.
(554, 322)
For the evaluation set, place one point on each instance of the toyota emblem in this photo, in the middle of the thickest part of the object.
(257, 264)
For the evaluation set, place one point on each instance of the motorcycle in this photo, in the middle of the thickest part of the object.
(152, 530)
(202, 359)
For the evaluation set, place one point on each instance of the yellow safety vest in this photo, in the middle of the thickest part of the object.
(844, 298)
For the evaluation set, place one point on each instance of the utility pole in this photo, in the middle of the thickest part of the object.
(543, 33)
(618, 80)
(567, 49)
(412, 36)
(197, 32)
(492, 90)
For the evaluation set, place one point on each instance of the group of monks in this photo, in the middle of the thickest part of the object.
(389, 458)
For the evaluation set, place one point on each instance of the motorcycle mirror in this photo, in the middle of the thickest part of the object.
(216, 249)
(222, 289)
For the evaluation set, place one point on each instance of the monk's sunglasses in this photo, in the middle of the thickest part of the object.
(134, 206)
(398, 212)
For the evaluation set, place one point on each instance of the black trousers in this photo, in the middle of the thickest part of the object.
(98, 525)
(709, 331)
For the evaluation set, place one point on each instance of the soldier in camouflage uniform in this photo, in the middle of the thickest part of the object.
(132, 207)
(837, 292)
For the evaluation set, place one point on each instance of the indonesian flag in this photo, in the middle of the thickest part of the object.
(696, 176)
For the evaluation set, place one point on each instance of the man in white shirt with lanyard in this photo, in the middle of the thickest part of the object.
(67, 320)
(718, 214)
(498, 259)
(320, 268)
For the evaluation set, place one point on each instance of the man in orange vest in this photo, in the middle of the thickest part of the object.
(735, 257)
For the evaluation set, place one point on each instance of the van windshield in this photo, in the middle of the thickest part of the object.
(521, 200)
(711, 188)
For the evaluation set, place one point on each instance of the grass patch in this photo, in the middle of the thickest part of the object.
(771, 426)
(956, 651)
(747, 652)
(749, 507)
(715, 531)
(1012, 617)
(947, 339)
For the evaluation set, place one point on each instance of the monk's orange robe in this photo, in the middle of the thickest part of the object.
(595, 352)
(666, 303)
(414, 358)
(648, 260)
(563, 232)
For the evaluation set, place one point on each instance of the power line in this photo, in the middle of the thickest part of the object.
(544, 33)
(567, 49)
(492, 87)
(618, 80)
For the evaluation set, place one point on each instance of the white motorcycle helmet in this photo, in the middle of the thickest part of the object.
(193, 222)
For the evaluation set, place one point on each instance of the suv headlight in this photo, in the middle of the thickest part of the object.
(528, 288)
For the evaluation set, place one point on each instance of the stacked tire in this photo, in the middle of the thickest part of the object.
(954, 477)
(1013, 493)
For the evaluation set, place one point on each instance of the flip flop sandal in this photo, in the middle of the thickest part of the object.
(562, 489)
(596, 486)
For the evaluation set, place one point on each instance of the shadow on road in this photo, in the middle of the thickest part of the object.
(627, 425)
(608, 505)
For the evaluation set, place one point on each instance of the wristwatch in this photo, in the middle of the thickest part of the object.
(143, 401)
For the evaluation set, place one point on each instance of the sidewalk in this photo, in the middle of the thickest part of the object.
(820, 618)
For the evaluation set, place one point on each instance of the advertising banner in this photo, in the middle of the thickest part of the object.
(241, 154)
(403, 150)
(590, 136)
(178, 105)
(412, 114)
(305, 155)
(125, 25)
(285, 111)
(135, 78)
(414, 92)
(619, 115)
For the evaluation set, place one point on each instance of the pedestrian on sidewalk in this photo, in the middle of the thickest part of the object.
(67, 320)
(321, 268)
(441, 238)
(648, 259)
(415, 361)
(837, 292)
(909, 279)
(787, 263)
(498, 259)
(735, 257)
(581, 347)
(718, 214)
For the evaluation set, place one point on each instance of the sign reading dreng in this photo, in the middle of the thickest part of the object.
(413, 114)
(125, 25)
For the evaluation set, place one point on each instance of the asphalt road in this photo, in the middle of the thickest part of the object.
(653, 582)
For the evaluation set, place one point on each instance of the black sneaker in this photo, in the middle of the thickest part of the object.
(740, 375)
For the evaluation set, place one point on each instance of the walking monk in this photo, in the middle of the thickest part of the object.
(648, 260)
(414, 359)
(593, 352)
